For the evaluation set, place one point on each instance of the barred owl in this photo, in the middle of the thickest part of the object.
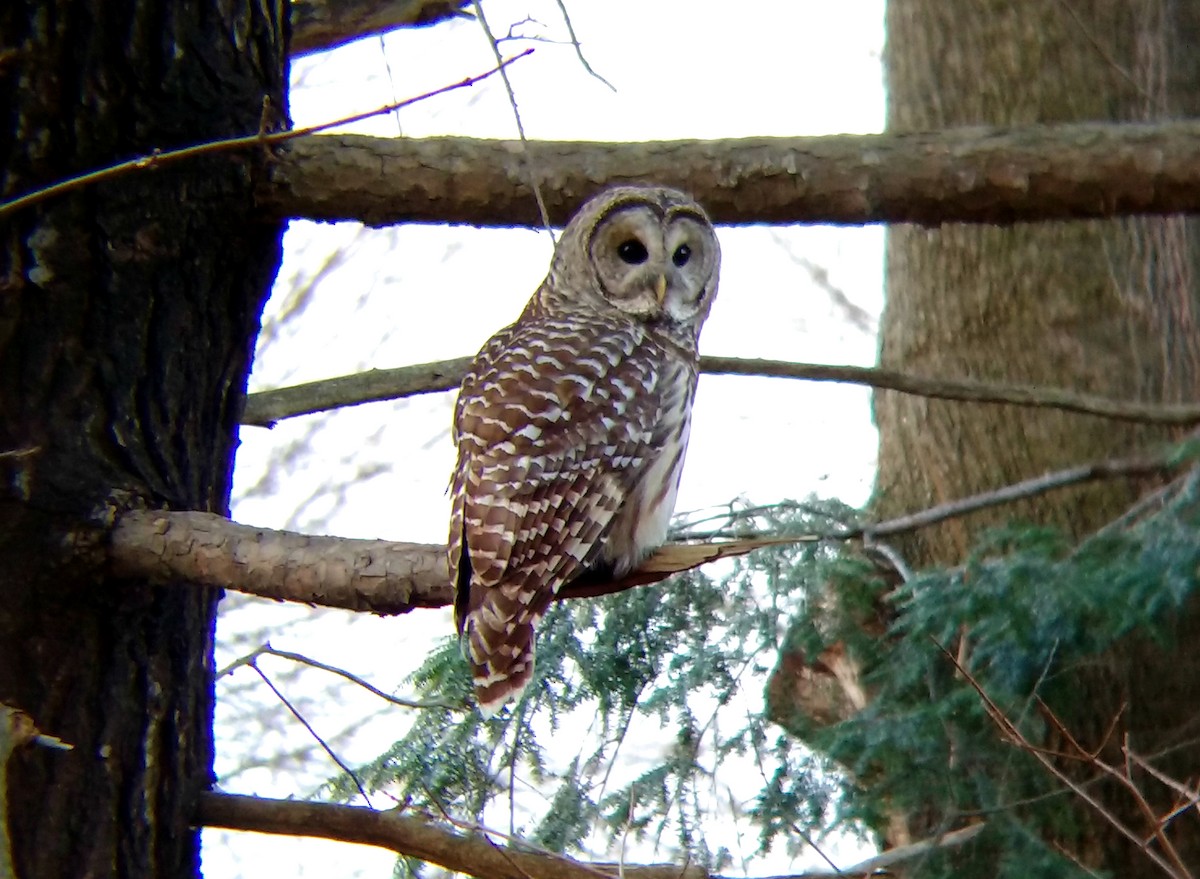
(572, 423)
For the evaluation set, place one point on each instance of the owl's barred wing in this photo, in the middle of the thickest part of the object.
(546, 552)
(555, 429)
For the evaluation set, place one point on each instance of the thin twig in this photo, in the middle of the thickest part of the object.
(811, 843)
(1014, 736)
(482, 830)
(1158, 829)
(1191, 795)
(333, 669)
(483, 833)
(157, 159)
(20, 453)
(308, 726)
(1027, 488)
(534, 179)
(562, 7)
(853, 313)
(1156, 102)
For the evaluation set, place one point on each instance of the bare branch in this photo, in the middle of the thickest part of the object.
(389, 578)
(409, 835)
(364, 575)
(473, 853)
(1018, 491)
(890, 858)
(969, 175)
(1013, 735)
(532, 174)
(268, 650)
(378, 576)
(320, 25)
(566, 17)
(267, 407)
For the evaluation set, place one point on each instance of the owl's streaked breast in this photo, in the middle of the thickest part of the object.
(642, 522)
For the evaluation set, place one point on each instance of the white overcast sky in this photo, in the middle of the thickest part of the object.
(413, 294)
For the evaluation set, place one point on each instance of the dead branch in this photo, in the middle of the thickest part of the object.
(409, 835)
(362, 575)
(386, 577)
(250, 659)
(1169, 863)
(378, 576)
(967, 175)
(320, 25)
(474, 853)
(264, 408)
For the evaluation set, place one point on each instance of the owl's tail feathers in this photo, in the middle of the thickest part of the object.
(501, 662)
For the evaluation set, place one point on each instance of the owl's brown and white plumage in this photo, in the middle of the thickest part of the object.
(572, 423)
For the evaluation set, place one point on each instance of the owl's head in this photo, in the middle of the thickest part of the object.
(647, 251)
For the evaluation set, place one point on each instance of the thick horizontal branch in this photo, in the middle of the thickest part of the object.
(378, 576)
(409, 835)
(383, 577)
(475, 854)
(266, 407)
(319, 25)
(364, 575)
(973, 175)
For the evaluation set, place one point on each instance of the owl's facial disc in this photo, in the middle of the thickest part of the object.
(653, 266)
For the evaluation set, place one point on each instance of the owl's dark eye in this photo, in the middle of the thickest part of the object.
(632, 252)
(681, 255)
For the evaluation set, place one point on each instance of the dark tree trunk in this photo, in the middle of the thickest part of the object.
(128, 311)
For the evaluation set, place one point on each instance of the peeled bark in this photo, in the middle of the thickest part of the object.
(128, 312)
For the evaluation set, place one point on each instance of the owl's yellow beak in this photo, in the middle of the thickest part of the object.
(660, 289)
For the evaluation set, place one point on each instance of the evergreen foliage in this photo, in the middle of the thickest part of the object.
(680, 665)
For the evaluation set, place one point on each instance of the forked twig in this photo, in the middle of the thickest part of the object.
(267, 650)
(562, 7)
(1173, 866)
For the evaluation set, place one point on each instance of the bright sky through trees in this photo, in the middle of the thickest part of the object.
(349, 299)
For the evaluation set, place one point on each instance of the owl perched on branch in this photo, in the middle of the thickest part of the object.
(572, 423)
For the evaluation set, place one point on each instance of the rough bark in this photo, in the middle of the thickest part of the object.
(1101, 307)
(377, 576)
(127, 317)
(387, 577)
(975, 175)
